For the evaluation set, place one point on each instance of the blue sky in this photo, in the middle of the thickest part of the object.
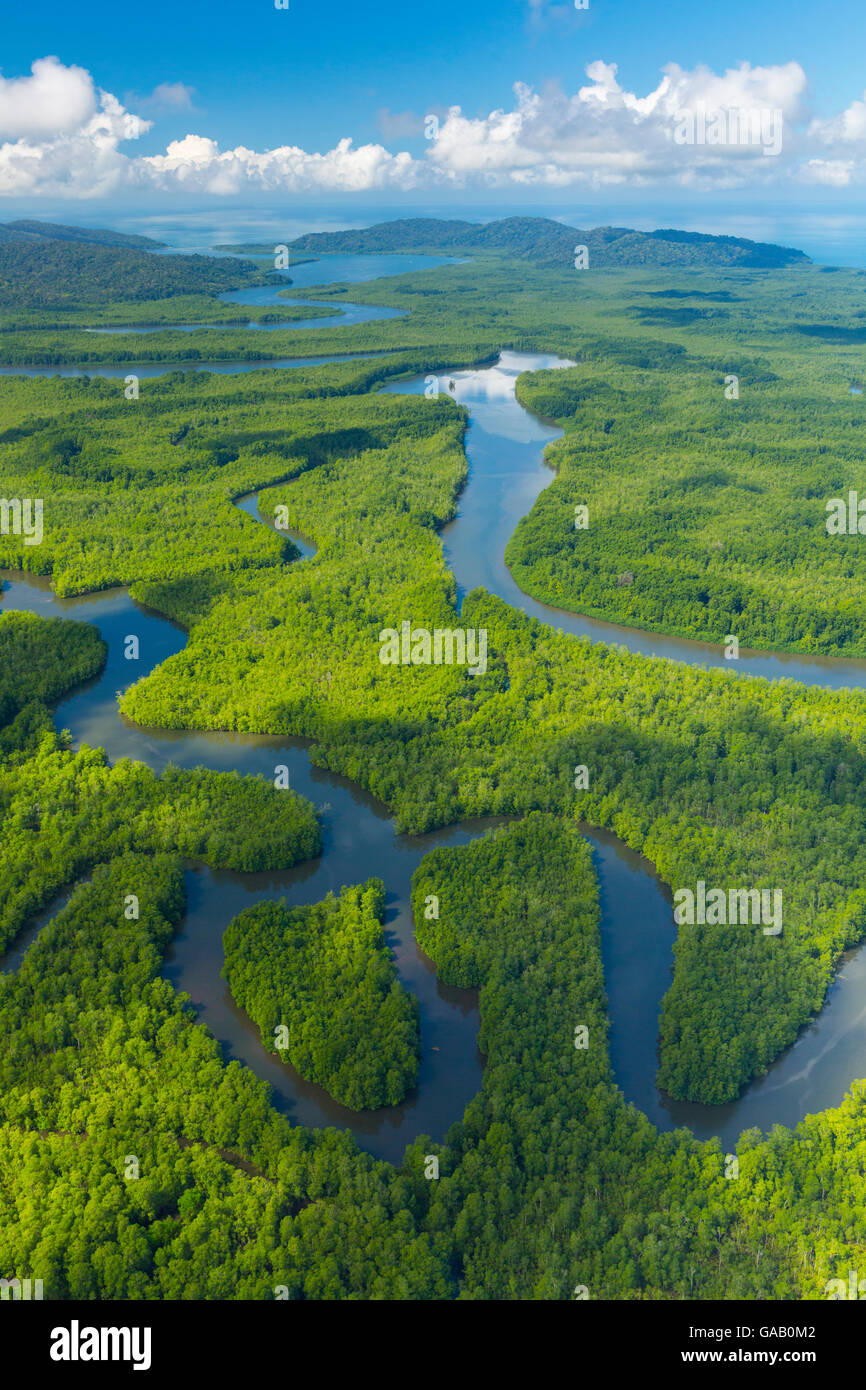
(321, 70)
(191, 100)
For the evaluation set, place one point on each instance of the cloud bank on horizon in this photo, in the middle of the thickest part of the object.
(62, 136)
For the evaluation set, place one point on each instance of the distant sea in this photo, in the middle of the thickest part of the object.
(832, 234)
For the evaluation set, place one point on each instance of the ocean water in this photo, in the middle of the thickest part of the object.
(829, 237)
(832, 230)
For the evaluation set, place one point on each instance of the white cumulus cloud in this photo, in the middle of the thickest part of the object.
(80, 162)
(60, 135)
(197, 163)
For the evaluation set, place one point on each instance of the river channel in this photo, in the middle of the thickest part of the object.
(505, 445)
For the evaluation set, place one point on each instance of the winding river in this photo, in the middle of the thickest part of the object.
(504, 445)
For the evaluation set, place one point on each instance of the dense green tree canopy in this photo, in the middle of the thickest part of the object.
(136, 1162)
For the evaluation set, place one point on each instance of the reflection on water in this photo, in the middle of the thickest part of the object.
(504, 445)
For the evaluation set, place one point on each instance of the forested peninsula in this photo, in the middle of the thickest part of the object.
(550, 1182)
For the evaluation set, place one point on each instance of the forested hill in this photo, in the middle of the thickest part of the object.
(46, 272)
(56, 231)
(549, 243)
